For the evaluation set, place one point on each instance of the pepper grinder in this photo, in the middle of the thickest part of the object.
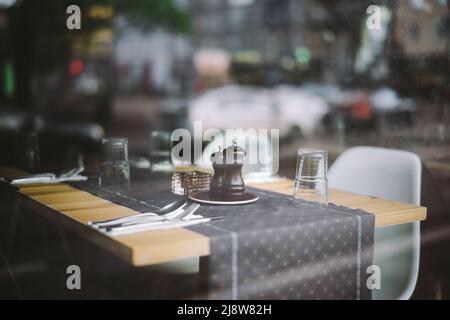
(227, 185)
(233, 183)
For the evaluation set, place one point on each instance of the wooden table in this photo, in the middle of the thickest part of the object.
(72, 208)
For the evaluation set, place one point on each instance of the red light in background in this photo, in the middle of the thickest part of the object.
(76, 67)
(362, 110)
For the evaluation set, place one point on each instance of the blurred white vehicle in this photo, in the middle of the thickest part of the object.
(290, 109)
(330, 92)
(386, 100)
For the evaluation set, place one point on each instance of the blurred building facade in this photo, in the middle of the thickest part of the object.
(422, 37)
(267, 42)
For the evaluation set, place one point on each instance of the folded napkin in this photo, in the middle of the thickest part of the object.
(73, 174)
(41, 179)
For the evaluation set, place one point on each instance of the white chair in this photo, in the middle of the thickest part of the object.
(393, 175)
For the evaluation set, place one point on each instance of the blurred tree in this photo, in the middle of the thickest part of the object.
(149, 14)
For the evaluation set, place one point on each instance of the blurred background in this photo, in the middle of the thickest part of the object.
(312, 68)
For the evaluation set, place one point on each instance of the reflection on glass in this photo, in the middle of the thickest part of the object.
(32, 150)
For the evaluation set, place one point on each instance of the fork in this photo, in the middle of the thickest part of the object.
(169, 210)
(157, 224)
(156, 219)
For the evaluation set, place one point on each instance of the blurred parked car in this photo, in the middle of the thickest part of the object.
(292, 110)
(348, 108)
(362, 108)
(387, 104)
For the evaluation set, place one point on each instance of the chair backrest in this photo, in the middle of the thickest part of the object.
(394, 175)
(379, 172)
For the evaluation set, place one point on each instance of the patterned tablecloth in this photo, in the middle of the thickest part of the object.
(270, 249)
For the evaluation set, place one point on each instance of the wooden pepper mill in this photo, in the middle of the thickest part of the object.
(227, 185)
(227, 182)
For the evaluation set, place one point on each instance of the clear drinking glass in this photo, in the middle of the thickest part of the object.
(160, 151)
(311, 176)
(114, 168)
(31, 155)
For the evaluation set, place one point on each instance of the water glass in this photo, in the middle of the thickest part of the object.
(160, 151)
(31, 154)
(311, 177)
(114, 168)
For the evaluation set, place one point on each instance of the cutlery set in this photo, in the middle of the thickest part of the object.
(174, 215)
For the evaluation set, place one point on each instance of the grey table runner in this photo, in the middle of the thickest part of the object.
(270, 249)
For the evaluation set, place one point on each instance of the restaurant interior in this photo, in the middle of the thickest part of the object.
(349, 102)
